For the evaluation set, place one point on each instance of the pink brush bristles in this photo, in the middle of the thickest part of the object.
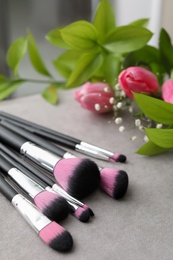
(51, 205)
(82, 214)
(56, 237)
(114, 182)
(78, 177)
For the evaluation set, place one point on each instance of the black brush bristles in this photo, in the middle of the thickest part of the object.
(56, 237)
(52, 205)
(85, 184)
(114, 182)
(121, 185)
(82, 214)
(83, 176)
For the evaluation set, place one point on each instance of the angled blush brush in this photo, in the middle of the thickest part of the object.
(66, 140)
(50, 204)
(81, 211)
(119, 178)
(78, 177)
(49, 231)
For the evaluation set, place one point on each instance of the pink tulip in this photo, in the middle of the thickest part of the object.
(137, 79)
(96, 97)
(167, 91)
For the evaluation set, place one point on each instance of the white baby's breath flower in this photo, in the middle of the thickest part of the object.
(130, 109)
(121, 129)
(146, 139)
(97, 107)
(133, 138)
(118, 120)
(122, 93)
(112, 100)
(137, 122)
(117, 87)
(159, 126)
(119, 105)
(141, 128)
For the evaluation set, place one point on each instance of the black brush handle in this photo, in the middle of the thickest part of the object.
(11, 138)
(39, 127)
(36, 139)
(6, 189)
(48, 136)
(5, 165)
(27, 168)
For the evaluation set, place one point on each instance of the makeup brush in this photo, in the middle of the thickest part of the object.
(119, 178)
(50, 204)
(78, 177)
(114, 182)
(49, 231)
(81, 211)
(66, 140)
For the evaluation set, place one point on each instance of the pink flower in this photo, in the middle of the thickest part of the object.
(137, 79)
(96, 97)
(167, 91)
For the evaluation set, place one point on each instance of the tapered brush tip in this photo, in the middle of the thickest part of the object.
(114, 182)
(90, 210)
(82, 214)
(118, 158)
(77, 176)
(56, 237)
(52, 205)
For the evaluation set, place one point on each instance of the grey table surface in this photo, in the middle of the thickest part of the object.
(139, 226)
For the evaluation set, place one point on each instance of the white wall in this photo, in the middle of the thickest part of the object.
(167, 18)
(130, 10)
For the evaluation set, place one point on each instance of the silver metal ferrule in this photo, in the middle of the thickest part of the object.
(88, 151)
(30, 186)
(30, 213)
(73, 205)
(68, 155)
(64, 194)
(97, 149)
(40, 155)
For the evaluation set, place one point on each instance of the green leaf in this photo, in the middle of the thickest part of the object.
(161, 137)
(158, 110)
(35, 56)
(111, 68)
(55, 38)
(6, 89)
(59, 85)
(140, 22)
(50, 94)
(150, 148)
(86, 66)
(65, 63)
(80, 35)
(171, 76)
(166, 50)
(15, 54)
(124, 39)
(144, 56)
(104, 19)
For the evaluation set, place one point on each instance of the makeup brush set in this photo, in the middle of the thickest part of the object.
(45, 183)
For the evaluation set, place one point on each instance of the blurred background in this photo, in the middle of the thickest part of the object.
(41, 16)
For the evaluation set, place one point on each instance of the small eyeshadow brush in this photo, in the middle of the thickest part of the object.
(81, 211)
(49, 231)
(50, 204)
(78, 177)
(113, 182)
(65, 140)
